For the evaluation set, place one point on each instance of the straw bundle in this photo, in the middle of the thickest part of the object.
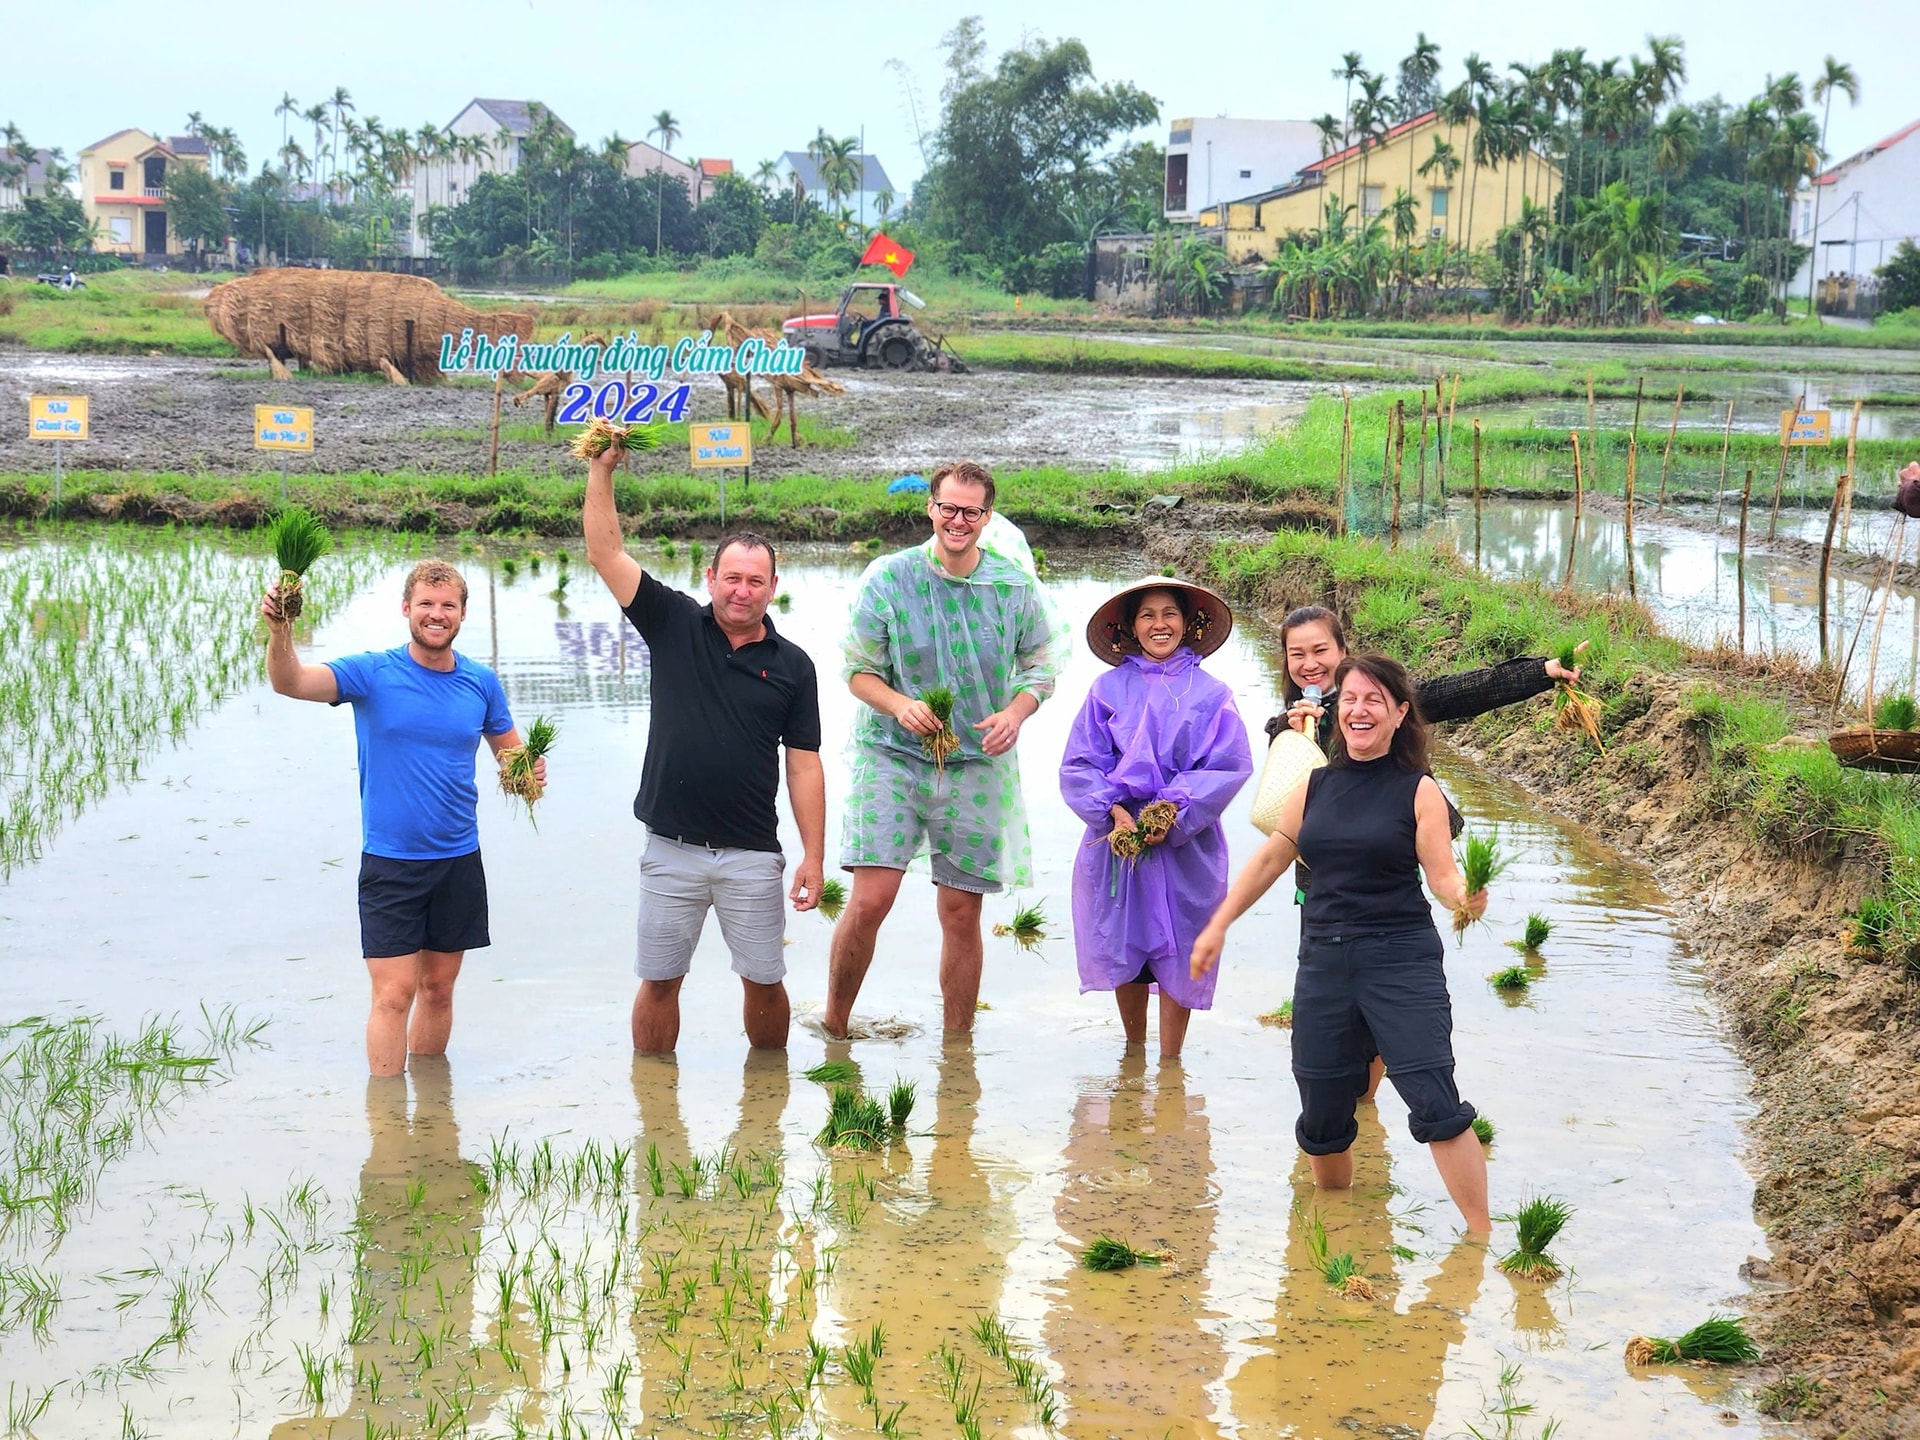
(340, 321)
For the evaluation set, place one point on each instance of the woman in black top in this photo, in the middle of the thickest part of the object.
(1371, 977)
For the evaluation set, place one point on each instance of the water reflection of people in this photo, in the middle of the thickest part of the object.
(1371, 978)
(927, 1265)
(1136, 1353)
(418, 1206)
(1336, 1367)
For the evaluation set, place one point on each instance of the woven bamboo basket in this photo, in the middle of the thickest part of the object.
(1862, 747)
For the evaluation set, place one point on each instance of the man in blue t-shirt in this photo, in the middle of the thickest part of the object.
(419, 712)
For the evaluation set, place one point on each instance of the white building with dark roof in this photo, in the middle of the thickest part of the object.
(30, 183)
(487, 137)
(864, 202)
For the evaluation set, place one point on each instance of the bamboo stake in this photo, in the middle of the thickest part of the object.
(1593, 445)
(1453, 404)
(1726, 448)
(1386, 464)
(1853, 436)
(1476, 492)
(1673, 432)
(1746, 493)
(493, 461)
(1633, 451)
(1573, 535)
(1780, 480)
(1346, 439)
(1423, 455)
(1399, 455)
(1639, 394)
(1826, 558)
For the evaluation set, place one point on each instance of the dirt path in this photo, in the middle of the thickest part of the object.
(195, 417)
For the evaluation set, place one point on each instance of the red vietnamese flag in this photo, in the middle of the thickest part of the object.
(890, 253)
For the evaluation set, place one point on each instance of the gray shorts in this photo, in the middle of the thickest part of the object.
(679, 883)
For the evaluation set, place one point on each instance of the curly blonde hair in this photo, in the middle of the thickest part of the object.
(434, 572)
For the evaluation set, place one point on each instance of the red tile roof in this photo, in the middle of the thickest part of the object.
(1340, 156)
(716, 167)
(1828, 176)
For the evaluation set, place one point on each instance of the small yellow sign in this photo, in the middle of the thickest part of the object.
(714, 447)
(1806, 427)
(57, 417)
(283, 427)
(1794, 590)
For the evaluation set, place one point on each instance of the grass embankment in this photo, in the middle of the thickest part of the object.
(121, 312)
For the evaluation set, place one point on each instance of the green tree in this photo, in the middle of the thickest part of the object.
(1900, 278)
(1009, 143)
(196, 207)
(668, 129)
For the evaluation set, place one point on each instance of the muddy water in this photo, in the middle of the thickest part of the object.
(1690, 579)
(411, 1245)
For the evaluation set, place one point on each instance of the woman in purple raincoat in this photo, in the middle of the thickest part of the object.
(1155, 727)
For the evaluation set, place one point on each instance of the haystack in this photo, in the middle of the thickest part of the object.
(337, 321)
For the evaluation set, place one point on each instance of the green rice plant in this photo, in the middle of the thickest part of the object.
(783, 601)
(857, 1358)
(1872, 927)
(297, 539)
(1483, 1129)
(518, 777)
(1896, 712)
(900, 1102)
(1106, 1253)
(1538, 1221)
(1028, 927)
(833, 899)
(510, 569)
(1342, 1271)
(834, 1072)
(1535, 935)
(1791, 1397)
(1481, 863)
(667, 547)
(854, 1122)
(696, 552)
(1280, 1017)
(1512, 980)
(1717, 1340)
(942, 744)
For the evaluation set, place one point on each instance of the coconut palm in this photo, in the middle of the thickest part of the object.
(340, 102)
(1330, 134)
(316, 116)
(668, 129)
(1834, 75)
(1676, 141)
(1446, 163)
(287, 106)
(1350, 70)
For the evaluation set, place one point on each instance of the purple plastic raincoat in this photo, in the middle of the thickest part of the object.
(1152, 730)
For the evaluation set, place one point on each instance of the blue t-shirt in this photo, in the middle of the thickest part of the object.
(417, 730)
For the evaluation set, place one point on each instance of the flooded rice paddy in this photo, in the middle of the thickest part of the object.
(224, 1228)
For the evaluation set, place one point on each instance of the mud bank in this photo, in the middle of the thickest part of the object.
(1832, 1037)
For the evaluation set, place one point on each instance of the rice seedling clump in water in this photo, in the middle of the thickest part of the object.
(1514, 977)
(900, 1102)
(1717, 1340)
(1028, 929)
(1280, 1017)
(1480, 865)
(834, 1072)
(854, 1121)
(941, 745)
(1107, 1253)
(1535, 935)
(1342, 1272)
(298, 539)
(1539, 1222)
(1483, 1129)
(517, 774)
(833, 899)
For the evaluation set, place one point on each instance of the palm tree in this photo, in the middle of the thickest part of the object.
(1371, 113)
(1447, 163)
(765, 174)
(287, 106)
(1835, 75)
(340, 102)
(1329, 128)
(840, 168)
(883, 203)
(1418, 72)
(1456, 109)
(1676, 141)
(668, 129)
(1350, 70)
(316, 116)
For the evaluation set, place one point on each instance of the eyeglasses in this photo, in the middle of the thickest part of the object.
(972, 514)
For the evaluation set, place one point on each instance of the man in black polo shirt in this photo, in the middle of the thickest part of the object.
(728, 692)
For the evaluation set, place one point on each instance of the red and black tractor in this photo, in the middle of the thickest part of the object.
(871, 328)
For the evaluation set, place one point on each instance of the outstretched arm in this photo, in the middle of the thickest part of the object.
(284, 671)
(600, 520)
(1256, 877)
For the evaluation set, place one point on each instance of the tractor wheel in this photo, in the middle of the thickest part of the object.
(896, 352)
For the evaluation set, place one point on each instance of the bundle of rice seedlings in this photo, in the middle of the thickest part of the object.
(1896, 712)
(1280, 1017)
(834, 1072)
(1028, 929)
(1872, 926)
(1341, 1271)
(783, 600)
(833, 899)
(900, 1102)
(1514, 977)
(1575, 709)
(1538, 1221)
(1156, 820)
(940, 746)
(517, 777)
(1153, 824)
(510, 569)
(696, 552)
(854, 1121)
(1717, 1340)
(298, 539)
(1480, 865)
(1107, 1253)
(602, 435)
(1535, 935)
(1483, 1129)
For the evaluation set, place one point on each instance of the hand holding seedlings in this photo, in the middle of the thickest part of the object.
(603, 437)
(1480, 865)
(298, 539)
(523, 767)
(939, 743)
(1574, 709)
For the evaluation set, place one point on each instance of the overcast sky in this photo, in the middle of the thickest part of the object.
(750, 79)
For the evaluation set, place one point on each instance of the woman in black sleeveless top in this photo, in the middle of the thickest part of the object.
(1371, 979)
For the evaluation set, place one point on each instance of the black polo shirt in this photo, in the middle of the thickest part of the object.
(720, 716)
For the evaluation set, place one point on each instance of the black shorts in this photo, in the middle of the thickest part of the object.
(409, 905)
(1364, 995)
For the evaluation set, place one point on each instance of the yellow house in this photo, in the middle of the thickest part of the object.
(1467, 207)
(123, 182)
